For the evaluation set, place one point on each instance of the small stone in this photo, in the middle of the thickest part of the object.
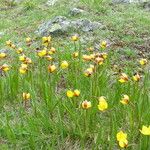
(4, 50)
(51, 2)
(1, 34)
(146, 6)
(128, 1)
(76, 11)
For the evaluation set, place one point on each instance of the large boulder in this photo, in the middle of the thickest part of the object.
(61, 24)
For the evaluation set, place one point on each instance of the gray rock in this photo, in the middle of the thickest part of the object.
(61, 24)
(146, 6)
(76, 11)
(16, 1)
(51, 2)
(1, 34)
(86, 25)
(4, 50)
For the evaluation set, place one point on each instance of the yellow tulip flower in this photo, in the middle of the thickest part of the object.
(75, 54)
(42, 53)
(28, 40)
(75, 38)
(52, 51)
(125, 100)
(19, 50)
(121, 136)
(122, 139)
(46, 40)
(136, 77)
(22, 58)
(13, 46)
(86, 104)
(123, 78)
(51, 68)
(64, 65)
(87, 57)
(103, 44)
(2, 55)
(76, 93)
(5, 68)
(145, 130)
(49, 58)
(23, 69)
(88, 72)
(90, 49)
(103, 105)
(143, 61)
(28, 60)
(70, 93)
(9, 43)
(26, 96)
(99, 60)
(123, 144)
(104, 55)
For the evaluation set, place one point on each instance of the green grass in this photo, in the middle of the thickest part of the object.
(51, 120)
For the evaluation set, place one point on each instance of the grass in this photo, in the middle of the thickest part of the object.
(50, 119)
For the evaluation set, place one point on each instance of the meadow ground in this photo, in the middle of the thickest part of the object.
(68, 95)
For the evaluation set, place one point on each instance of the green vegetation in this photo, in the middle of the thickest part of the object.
(39, 107)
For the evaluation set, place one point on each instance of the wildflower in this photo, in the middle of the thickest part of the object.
(46, 40)
(27, 60)
(13, 46)
(86, 104)
(75, 38)
(122, 139)
(103, 105)
(64, 65)
(99, 60)
(92, 56)
(75, 54)
(52, 51)
(103, 44)
(86, 57)
(143, 61)
(51, 68)
(28, 40)
(49, 58)
(26, 96)
(70, 93)
(2, 55)
(121, 136)
(104, 55)
(90, 49)
(88, 72)
(23, 69)
(19, 50)
(22, 58)
(76, 93)
(123, 144)
(145, 130)
(125, 100)
(9, 43)
(42, 53)
(123, 78)
(5, 68)
(136, 77)
(92, 67)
